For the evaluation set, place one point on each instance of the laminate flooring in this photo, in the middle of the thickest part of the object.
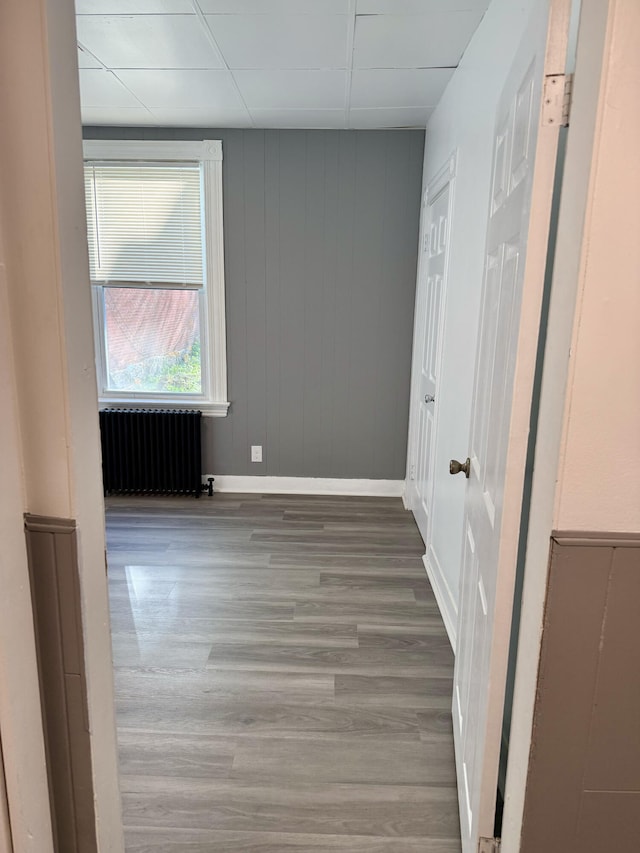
(283, 677)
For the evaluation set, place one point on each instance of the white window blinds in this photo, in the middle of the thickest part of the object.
(144, 223)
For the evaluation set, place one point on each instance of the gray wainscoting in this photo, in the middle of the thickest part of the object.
(55, 593)
(321, 231)
(583, 788)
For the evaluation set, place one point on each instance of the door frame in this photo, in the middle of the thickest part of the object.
(594, 54)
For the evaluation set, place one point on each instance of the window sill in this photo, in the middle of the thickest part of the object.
(208, 409)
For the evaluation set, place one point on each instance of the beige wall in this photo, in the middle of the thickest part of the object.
(20, 717)
(48, 314)
(599, 471)
(28, 202)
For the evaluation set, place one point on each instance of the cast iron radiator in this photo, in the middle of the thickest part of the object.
(147, 452)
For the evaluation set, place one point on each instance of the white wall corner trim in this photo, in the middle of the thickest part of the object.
(444, 598)
(306, 486)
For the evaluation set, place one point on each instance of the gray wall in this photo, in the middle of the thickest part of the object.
(321, 232)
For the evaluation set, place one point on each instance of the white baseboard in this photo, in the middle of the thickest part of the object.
(306, 486)
(446, 602)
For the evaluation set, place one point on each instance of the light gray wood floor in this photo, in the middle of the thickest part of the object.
(283, 677)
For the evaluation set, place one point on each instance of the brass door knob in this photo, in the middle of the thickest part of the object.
(456, 467)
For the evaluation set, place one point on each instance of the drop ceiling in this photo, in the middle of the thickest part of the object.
(269, 63)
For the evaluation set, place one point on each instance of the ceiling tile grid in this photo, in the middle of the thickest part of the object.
(147, 41)
(269, 63)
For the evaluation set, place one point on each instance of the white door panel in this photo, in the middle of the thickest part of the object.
(427, 353)
(516, 245)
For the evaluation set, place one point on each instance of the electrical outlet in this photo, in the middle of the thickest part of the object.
(256, 453)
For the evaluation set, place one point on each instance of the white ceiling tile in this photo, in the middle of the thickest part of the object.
(203, 117)
(281, 41)
(292, 89)
(322, 119)
(100, 88)
(413, 41)
(123, 116)
(399, 87)
(378, 119)
(183, 89)
(147, 41)
(416, 7)
(85, 60)
(274, 7)
(289, 61)
(133, 7)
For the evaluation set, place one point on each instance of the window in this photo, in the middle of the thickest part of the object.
(154, 224)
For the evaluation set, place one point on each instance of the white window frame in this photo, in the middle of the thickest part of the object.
(213, 399)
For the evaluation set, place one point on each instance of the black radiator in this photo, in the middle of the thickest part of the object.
(149, 452)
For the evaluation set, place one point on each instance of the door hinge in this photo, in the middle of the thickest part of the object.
(556, 99)
(489, 845)
(412, 472)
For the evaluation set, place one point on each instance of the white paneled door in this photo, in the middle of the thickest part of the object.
(525, 147)
(428, 337)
